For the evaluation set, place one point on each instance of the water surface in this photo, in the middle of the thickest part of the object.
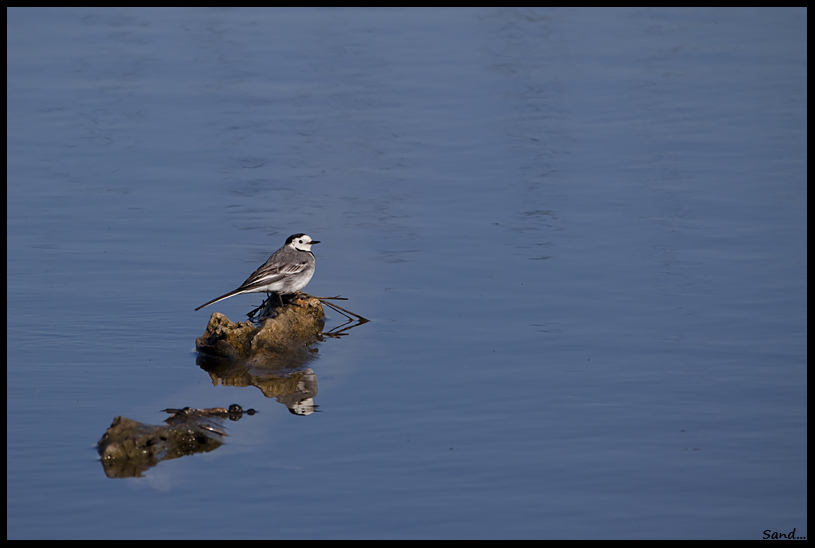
(580, 236)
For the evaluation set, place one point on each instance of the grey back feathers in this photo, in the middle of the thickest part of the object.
(287, 271)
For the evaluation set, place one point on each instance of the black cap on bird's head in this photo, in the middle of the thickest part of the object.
(304, 239)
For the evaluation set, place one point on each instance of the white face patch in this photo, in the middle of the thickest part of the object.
(303, 243)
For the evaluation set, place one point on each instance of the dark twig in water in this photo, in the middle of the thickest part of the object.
(251, 315)
(340, 309)
(266, 306)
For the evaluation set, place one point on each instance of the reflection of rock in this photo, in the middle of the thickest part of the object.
(129, 448)
(272, 357)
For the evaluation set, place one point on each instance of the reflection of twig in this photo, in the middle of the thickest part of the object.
(340, 330)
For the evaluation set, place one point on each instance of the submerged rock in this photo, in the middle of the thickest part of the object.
(129, 448)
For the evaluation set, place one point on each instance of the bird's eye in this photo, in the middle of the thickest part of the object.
(301, 241)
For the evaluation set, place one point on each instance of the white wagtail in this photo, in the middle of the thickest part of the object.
(287, 271)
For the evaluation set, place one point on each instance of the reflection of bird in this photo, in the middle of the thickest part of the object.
(287, 271)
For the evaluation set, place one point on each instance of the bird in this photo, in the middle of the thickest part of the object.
(287, 271)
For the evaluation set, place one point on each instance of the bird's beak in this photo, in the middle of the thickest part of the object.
(312, 242)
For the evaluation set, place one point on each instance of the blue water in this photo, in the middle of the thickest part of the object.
(580, 236)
